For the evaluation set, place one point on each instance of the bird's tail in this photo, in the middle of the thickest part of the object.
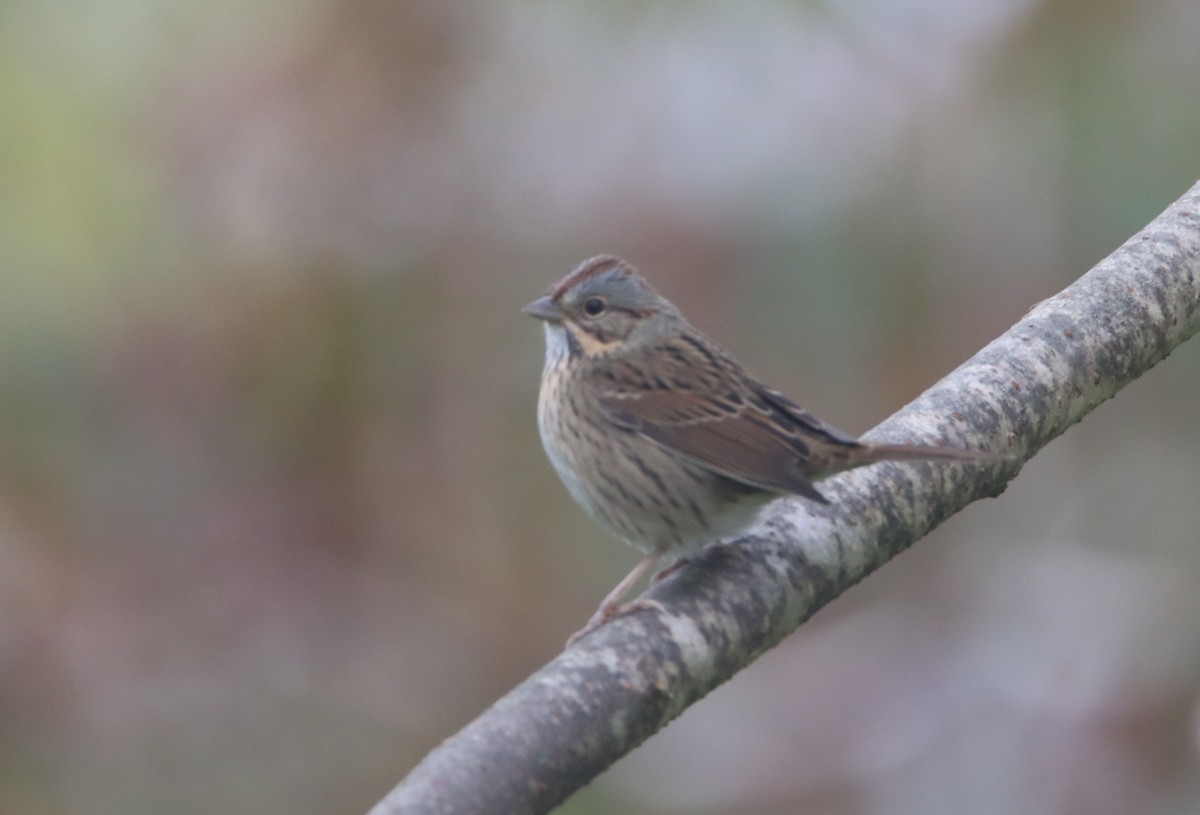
(862, 453)
(871, 453)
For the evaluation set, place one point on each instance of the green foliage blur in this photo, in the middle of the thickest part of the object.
(274, 517)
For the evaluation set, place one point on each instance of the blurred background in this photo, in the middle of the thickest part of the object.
(274, 516)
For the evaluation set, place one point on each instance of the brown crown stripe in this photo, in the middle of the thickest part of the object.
(589, 268)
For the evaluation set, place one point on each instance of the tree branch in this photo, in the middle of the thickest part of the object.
(612, 690)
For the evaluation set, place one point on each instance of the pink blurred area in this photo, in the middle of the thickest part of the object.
(274, 517)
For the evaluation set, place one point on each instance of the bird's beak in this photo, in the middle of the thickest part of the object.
(544, 309)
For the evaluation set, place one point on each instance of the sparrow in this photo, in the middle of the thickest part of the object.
(661, 436)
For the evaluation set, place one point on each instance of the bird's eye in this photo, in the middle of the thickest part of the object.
(594, 306)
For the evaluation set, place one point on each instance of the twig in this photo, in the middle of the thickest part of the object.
(613, 689)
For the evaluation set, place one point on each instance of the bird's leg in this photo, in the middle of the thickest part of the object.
(611, 605)
(663, 574)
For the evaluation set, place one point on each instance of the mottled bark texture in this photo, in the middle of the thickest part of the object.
(601, 698)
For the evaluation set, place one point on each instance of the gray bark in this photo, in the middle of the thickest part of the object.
(601, 698)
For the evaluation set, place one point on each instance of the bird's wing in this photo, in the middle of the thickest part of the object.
(732, 425)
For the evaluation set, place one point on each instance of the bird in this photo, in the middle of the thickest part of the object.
(663, 437)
